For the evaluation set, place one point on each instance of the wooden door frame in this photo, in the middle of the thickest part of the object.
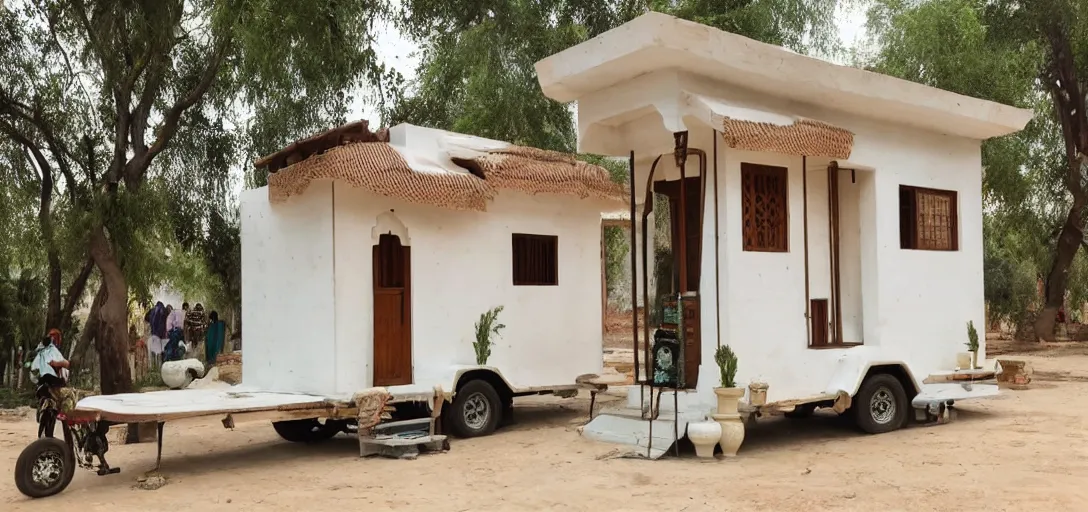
(406, 330)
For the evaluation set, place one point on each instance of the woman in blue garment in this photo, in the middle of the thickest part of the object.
(213, 338)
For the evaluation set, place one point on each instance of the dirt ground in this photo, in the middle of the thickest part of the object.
(1026, 450)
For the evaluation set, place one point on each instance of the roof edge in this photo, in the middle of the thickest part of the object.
(568, 75)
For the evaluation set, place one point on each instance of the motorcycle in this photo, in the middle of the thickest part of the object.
(46, 466)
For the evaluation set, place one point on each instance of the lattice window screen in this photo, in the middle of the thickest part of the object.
(765, 208)
(935, 220)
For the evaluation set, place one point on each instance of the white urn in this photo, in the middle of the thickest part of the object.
(732, 430)
(704, 435)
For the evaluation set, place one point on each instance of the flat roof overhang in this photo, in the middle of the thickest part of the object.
(655, 41)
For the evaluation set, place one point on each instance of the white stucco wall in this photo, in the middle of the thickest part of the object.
(913, 304)
(287, 291)
(312, 257)
(462, 267)
(903, 304)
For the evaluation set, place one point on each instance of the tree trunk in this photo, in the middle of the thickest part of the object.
(112, 336)
(78, 355)
(75, 295)
(1069, 241)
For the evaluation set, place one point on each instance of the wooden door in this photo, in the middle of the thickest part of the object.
(392, 312)
(693, 230)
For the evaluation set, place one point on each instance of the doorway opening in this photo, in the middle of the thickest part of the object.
(392, 312)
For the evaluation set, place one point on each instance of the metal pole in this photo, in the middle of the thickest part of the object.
(804, 213)
(634, 265)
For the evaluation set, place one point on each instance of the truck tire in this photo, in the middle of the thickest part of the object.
(880, 405)
(305, 431)
(476, 410)
(44, 468)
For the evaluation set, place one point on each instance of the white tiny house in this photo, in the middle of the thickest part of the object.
(367, 260)
(832, 217)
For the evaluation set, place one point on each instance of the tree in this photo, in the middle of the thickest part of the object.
(132, 93)
(1024, 53)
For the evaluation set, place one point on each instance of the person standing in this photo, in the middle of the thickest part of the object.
(157, 321)
(175, 324)
(195, 324)
(213, 342)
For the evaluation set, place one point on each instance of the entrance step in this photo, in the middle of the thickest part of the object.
(626, 427)
(402, 446)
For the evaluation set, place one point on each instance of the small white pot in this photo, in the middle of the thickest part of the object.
(732, 433)
(705, 436)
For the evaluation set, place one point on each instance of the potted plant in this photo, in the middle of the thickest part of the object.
(728, 395)
(487, 328)
(972, 344)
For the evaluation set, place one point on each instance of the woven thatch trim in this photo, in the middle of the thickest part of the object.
(378, 168)
(536, 171)
(803, 137)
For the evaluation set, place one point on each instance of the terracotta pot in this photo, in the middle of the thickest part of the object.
(963, 361)
(704, 435)
(732, 433)
(727, 399)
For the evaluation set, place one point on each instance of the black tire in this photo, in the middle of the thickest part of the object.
(57, 478)
(802, 411)
(880, 405)
(477, 410)
(305, 431)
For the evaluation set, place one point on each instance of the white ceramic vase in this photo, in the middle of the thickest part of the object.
(704, 435)
(732, 429)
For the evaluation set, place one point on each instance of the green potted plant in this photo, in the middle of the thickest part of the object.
(728, 396)
(728, 393)
(486, 330)
(972, 344)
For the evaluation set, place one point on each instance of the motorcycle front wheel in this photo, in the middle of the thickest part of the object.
(44, 468)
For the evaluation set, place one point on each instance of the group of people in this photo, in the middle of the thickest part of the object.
(174, 333)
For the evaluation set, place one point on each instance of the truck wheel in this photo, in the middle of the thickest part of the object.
(476, 410)
(880, 405)
(44, 468)
(305, 431)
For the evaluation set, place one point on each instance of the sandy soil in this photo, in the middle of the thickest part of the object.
(1026, 450)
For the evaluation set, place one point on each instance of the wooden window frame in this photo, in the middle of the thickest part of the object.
(749, 171)
(547, 256)
(909, 225)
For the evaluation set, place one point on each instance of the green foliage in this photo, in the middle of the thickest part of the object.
(972, 337)
(161, 101)
(486, 330)
(727, 366)
(996, 50)
(11, 398)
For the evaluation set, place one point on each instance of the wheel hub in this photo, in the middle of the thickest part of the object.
(47, 469)
(476, 411)
(882, 406)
